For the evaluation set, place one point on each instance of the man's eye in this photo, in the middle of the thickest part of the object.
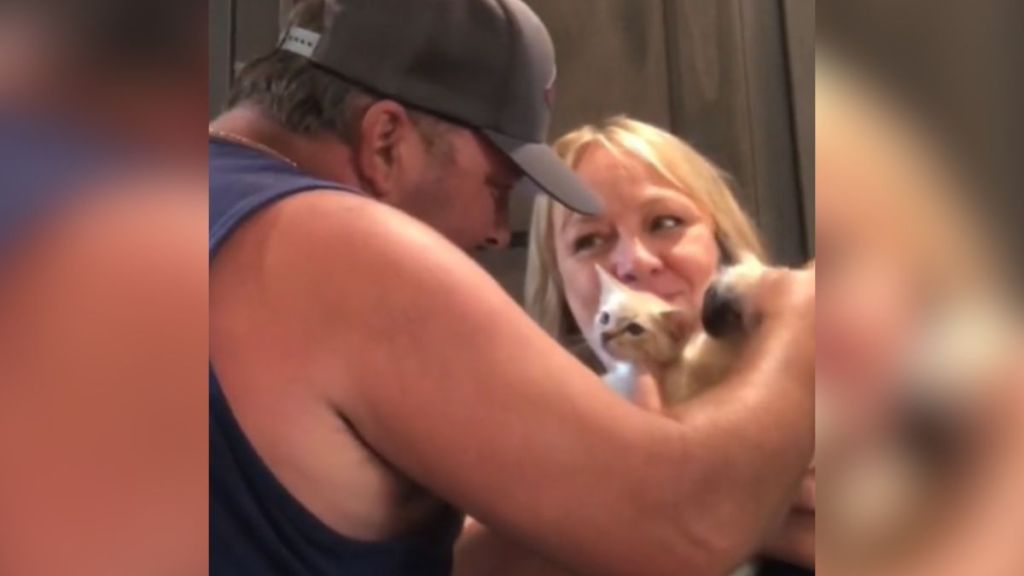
(500, 192)
(586, 242)
(499, 188)
(665, 223)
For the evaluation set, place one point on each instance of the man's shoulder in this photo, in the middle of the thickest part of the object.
(321, 256)
(344, 232)
(332, 216)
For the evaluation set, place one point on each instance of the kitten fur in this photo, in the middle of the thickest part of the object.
(640, 332)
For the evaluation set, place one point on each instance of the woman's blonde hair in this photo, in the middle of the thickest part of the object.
(667, 158)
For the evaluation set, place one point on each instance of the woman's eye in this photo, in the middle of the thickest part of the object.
(586, 242)
(665, 223)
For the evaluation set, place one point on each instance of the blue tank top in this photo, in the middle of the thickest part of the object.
(257, 528)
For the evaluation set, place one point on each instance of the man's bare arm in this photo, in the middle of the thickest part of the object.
(447, 378)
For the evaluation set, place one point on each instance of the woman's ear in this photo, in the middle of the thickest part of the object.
(380, 144)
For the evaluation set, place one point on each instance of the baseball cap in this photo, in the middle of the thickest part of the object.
(487, 64)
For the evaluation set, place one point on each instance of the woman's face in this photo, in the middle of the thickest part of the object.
(651, 237)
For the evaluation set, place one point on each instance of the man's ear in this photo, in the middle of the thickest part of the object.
(382, 135)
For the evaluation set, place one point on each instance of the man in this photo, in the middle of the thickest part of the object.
(366, 374)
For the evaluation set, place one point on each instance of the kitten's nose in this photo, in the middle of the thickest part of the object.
(721, 315)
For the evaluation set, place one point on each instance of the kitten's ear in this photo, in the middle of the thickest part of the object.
(608, 282)
(678, 323)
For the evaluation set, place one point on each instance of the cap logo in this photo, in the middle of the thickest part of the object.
(300, 41)
(549, 90)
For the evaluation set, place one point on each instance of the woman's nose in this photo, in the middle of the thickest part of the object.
(632, 261)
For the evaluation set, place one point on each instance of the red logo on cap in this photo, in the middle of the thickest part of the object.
(549, 97)
(549, 92)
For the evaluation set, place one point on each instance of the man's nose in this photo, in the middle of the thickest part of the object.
(498, 238)
(499, 235)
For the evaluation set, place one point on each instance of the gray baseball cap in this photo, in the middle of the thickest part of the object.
(487, 64)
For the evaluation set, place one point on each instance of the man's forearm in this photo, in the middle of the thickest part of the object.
(745, 445)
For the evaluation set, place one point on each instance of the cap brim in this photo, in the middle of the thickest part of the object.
(549, 172)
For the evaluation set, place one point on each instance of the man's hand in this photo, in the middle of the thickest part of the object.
(785, 298)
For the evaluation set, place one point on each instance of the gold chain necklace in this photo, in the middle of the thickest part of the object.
(242, 140)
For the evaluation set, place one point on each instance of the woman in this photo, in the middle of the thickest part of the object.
(668, 216)
(667, 212)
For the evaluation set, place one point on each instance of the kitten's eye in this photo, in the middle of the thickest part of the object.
(604, 318)
(586, 242)
(634, 329)
(665, 223)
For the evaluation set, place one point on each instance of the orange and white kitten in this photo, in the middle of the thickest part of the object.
(641, 333)
(684, 353)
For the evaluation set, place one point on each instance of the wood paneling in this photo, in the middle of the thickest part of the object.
(220, 52)
(710, 106)
(800, 34)
(772, 140)
(611, 60)
(258, 28)
(732, 100)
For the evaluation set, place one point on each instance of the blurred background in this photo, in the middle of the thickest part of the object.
(956, 67)
(103, 288)
(920, 389)
(735, 78)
